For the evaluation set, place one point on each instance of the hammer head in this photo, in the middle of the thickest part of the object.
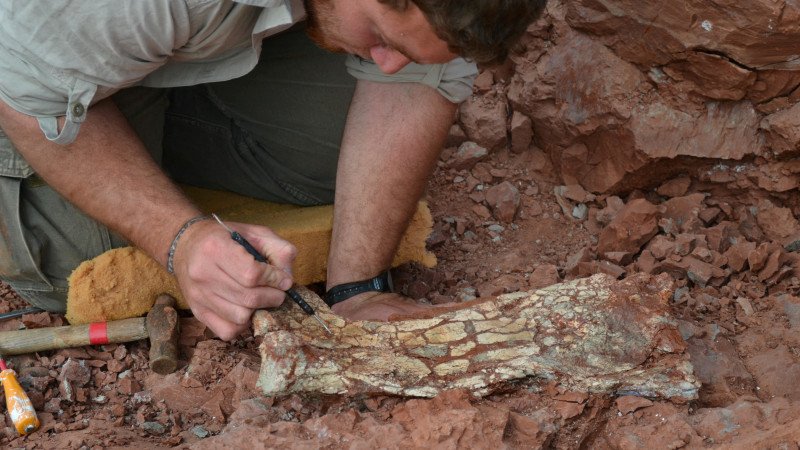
(163, 328)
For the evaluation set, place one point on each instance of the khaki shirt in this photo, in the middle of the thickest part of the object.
(58, 57)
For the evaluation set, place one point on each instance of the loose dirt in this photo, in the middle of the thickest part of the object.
(741, 331)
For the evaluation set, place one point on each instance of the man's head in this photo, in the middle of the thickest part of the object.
(482, 30)
(395, 32)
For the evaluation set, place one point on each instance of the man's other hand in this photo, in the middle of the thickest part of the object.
(379, 306)
(223, 283)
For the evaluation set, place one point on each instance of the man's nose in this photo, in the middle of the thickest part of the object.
(388, 59)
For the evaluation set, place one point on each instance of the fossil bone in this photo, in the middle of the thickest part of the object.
(595, 334)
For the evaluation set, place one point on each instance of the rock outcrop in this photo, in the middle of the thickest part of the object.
(624, 95)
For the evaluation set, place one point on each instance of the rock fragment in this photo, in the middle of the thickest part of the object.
(503, 199)
(632, 227)
(468, 154)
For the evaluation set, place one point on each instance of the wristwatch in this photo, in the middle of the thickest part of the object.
(342, 292)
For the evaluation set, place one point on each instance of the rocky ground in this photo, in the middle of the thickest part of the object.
(734, 299)
(623, 140)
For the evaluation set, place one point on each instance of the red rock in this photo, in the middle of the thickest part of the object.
(661, 247)
(619, 258)
(503, 199)
(468, 154)
(701, 272)
(483, 172)
(477, 196)
(777, 223)
(686, 243)
(572, 396)
(758, 257)
(630, 403)
(543, 276)
(646, 262)
(38, 320)
(96, 363)
(455, 137)
(771, 266)
(75, 353)
(709, 215)
(103, 356)
(575, 192)
(631, 228)
(120, 352)
(782, 129)
(583, 255)
(53, 405)
(484, 120)
(481, 211)
(776, 371)
(127, 386)
(76, 372)
(614, 205)
(80, 395)
(498, 172)
(607, 268)
(521, 132)
(684, 211)
(675, 187)
(530, 432)
(721, 236)
(568, 410)
(747, 225)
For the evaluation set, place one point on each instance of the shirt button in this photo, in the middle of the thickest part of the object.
(78, 110)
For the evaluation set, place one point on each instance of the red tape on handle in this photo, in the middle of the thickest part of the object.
(98, 333)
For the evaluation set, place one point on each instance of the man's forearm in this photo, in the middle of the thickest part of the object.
(394, 134)
(108, 174)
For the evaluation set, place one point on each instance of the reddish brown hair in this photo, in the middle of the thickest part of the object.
(482, 30)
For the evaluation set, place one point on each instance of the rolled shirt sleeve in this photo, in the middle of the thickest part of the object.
(453, 80)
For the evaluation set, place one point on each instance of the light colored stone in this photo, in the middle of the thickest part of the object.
(568, 332)
(462, 349)
(452, 367)
(446, 333)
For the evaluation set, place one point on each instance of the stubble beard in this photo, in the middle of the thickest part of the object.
(322, 23)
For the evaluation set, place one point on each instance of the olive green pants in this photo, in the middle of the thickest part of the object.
(273, 134)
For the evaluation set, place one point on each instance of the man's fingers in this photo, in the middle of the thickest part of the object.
(278, 251)
(225, 330)
(243, 267)
(229, 311)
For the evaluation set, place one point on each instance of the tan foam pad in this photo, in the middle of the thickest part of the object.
(123, 283)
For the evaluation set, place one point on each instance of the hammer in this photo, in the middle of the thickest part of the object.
(161, 325)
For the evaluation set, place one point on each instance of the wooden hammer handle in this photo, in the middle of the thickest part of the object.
(39, 339)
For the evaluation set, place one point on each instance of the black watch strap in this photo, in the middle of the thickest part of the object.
(342, 292)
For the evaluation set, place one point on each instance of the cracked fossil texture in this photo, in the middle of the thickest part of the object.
(595, 334)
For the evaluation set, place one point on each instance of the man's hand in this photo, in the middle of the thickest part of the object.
(224, 284)
(378, 306)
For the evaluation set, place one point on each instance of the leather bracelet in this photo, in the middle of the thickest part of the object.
(342, 292)
(174, 245)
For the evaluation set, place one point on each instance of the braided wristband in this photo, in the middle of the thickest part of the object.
(174, 245)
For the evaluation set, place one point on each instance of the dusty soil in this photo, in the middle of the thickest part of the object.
(741, 329)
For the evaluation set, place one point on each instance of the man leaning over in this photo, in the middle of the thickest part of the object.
(251, 107)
